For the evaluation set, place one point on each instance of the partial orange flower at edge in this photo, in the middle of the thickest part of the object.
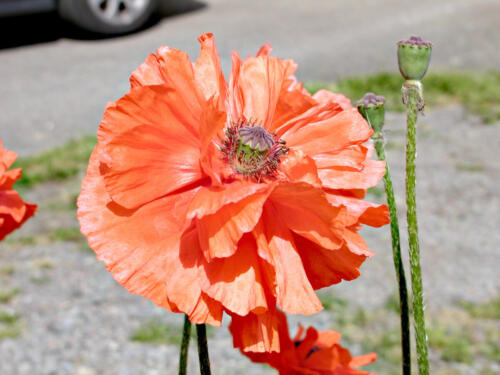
(177, 219)
(309, 353)
(13, 210)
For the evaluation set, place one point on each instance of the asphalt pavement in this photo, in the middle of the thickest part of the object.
(55, 81)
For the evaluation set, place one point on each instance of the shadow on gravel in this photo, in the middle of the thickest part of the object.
(30, 29)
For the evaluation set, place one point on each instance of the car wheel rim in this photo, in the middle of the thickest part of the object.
(118, 12)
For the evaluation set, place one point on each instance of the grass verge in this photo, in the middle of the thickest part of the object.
(478, 92)
(60, 163)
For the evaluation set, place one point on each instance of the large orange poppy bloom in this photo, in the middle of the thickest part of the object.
(208, 196)
(13, 210)
(310, 353)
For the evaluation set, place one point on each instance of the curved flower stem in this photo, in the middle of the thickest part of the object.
(186, 335)
(396, 252)
(201, 332)
(415, 101)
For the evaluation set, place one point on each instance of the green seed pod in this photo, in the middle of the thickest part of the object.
(372, 108)
(414, 56)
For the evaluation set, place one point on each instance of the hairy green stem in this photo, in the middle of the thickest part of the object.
(396, 253)
(414, 101)
(201, 332)
(186, 335)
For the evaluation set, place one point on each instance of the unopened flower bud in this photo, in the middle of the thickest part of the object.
(414, 56)
(371, 107)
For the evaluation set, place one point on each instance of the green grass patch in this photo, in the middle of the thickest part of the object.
(478, 92)
(453, 346)
(56, 235)
(40, 279)
(377, 191)
(64, 203)
(392, 303)
(44, 264)
(28, 240)
(491, 349)
(10, 331)
(66, 235)
(157, 332)
(7, 294)
(8, 318)
(396, 146)
(10, 325)
(84, 247)
(7, 270)
(59, 163)
(486, 310)
(473, 168)
(332, 302)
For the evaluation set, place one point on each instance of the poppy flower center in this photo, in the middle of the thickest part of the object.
(251, 150)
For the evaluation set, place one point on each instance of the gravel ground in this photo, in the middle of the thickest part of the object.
(77, 320)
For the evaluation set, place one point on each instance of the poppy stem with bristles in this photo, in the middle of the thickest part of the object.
(201, 333)
(396, 252)
(186, 335)
(414, 103)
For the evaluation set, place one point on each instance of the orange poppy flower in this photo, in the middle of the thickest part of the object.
(310, 353)
(208, 196)
(13, 210)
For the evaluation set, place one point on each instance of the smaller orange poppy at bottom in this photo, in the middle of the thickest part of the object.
(315, 353)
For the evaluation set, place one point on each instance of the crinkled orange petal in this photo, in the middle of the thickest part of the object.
(316, 353)
(260, 81)
(8, 224)
(342, 130)
(13, 210)
(8, 178)
(213, 120)
(351, 158)
(237, 281)
(298, 167)
(255, 332)
(206, 311)
(370, 175)
(148, 162)
(12, 204)
(326, 96)
(375, 215)
(363, 360)
(208, 200)
(293, 100)
(170, 68)
(306, 211)
(7, 158)
(235, 102)
(265, 50)
(294, 291)
(327, 267)
(292, 103)
(151, 105)
(306, 344)
(329, 360)
(208, 72)
(133, 244)
(356, 243)
(327, 339)
(148, 73)
(220, 232)
(317, 113)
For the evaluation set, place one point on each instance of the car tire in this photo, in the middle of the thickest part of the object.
(107, 16)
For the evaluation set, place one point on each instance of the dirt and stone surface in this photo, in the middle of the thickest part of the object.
(75, 319)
